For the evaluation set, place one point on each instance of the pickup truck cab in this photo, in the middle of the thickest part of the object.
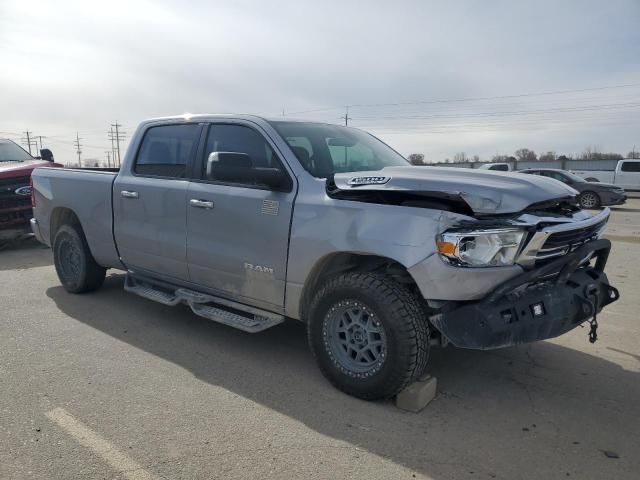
(626, 175)
(251, 221)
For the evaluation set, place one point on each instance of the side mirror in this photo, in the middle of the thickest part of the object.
(46, 154)
(274, 178)
(238, 167)
(229, 166)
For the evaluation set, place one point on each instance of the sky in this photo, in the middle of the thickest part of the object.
(428, 77)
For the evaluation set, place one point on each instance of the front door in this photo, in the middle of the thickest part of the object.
(238, 230)
(149, 202)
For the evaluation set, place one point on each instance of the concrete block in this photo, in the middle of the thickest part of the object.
(417, 395)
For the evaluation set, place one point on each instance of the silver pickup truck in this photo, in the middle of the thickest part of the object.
(251, 221)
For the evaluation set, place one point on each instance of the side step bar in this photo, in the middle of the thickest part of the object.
(227, 312)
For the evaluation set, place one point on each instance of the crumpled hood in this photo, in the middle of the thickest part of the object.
(485, 191)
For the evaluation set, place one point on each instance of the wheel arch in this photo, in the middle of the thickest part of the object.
(342, 262)
(62, 216)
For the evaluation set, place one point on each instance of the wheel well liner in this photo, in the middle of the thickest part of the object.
(341, 262)
(62, 216)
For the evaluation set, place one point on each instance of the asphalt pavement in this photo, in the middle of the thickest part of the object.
(110, 385)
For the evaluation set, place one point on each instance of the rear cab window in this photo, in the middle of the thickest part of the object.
(166, 150)
(630, 166)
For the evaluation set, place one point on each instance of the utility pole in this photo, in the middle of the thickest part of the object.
(27, 140)
(40, 137)
(78, 146)
(116, 136)
(108, 158)
(346, 117)
(113, 147)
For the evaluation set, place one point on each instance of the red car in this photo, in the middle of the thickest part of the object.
(16, 165)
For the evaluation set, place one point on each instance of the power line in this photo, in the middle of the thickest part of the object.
(508, 113)
(469, 99)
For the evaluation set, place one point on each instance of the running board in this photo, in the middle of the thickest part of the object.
(227, 312)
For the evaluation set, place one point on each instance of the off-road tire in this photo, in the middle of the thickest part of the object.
(589, 199)
(405, 327)
(78, 271)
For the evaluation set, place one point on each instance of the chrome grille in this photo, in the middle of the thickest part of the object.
(14, 209)
(552, 240)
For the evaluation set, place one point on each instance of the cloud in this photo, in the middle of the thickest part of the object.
(78, 66)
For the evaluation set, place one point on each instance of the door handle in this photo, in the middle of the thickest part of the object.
(129, 194)
(200, 203)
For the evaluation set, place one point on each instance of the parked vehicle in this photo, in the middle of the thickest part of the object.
(16, 165)
(250, 221)
(592, 195)
(626, 175)
(501, 167)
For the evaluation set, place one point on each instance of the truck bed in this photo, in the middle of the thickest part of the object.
(88, 194)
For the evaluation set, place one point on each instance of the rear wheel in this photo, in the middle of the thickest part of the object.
(589, 200)
(368, 334)
(77, 269)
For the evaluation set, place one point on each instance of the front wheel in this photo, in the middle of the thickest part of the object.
(77, 269)
(589, 200)
(369, 335)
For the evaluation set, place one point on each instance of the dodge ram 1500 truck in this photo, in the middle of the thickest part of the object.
(251, 221)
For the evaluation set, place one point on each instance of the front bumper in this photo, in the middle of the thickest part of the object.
(612, 198)
(539, 304)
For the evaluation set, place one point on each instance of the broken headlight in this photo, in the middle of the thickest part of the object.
(481, 248)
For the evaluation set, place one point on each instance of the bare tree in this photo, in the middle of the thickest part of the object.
(526, 155)
(416, 159)
(592, 153)
(548, 157)
(460, 157)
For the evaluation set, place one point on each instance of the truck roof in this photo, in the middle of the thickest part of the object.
(212, 116)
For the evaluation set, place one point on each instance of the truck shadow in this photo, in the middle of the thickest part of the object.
(497, 413)
(23, 254)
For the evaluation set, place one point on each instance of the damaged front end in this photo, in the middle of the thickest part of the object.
(518, 261)
(539, 304)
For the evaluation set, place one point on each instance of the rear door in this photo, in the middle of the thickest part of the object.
(238, 231)
(628, 175)
(149, 201)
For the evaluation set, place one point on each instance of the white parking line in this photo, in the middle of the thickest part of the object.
(98, 445)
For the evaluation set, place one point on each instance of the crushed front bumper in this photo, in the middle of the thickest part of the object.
(539, 304)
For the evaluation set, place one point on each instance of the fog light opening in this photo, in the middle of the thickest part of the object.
(537, 309)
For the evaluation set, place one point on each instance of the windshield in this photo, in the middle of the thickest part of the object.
(9, 151)
(324, 149)
(573, 177)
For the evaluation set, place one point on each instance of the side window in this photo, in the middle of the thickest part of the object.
(556, 176)
(630, 167)
(303, 150)
(165, 150)
(224, 138)
(501, 168)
